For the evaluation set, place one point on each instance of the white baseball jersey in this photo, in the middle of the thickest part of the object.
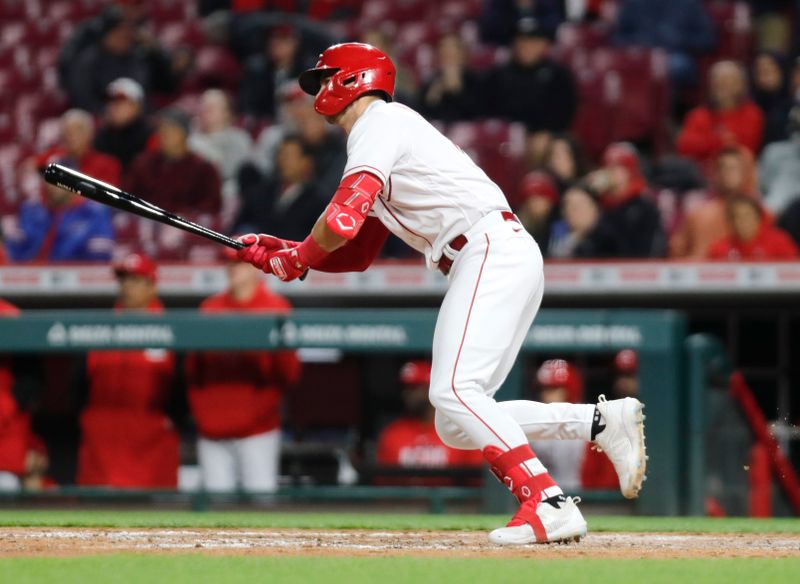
(432, 191)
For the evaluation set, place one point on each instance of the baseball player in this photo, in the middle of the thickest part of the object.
(404, 176)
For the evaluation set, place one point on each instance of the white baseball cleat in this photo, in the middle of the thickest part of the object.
(623, 441)
(557, 520)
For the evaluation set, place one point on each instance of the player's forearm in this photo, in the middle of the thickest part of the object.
(325, 237)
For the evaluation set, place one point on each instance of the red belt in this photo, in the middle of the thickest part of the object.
(458, 243)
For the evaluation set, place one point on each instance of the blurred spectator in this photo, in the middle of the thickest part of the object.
(173, 177)
(770, 89)
(559, 381)
(734, 176)
(789, 221)
(779, 168)
(127, 440)
(453, 93)
(288, 204)
(581, 233)
(411, 440)
(499, 17)
(627, 213)
(291, 102)
(626, 366)
(537, 149)
(532, 88)
(565, 160)
(538, 205)
(14, 423)
(235, 397)
(327, 145)
(222, 144)
(265, 72)
(683, 28)
(65, 226)
(752, 237)
(125, 132)
(729, 119)
(406, 87)
(118, 50)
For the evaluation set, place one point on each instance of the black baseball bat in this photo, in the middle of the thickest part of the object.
(91, 188)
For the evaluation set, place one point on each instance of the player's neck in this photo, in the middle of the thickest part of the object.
(347, 119)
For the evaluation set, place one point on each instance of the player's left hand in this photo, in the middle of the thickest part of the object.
(286, 264)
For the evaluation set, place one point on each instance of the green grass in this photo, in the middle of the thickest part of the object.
(256, 519)
(175, 569)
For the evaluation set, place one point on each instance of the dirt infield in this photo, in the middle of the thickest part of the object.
(276, 542)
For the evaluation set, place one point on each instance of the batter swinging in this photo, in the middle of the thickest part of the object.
(404, 176)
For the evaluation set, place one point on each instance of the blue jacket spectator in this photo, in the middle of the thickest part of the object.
(68, 229)
(683, 28)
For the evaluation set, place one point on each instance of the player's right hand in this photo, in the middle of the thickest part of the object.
(259, 247)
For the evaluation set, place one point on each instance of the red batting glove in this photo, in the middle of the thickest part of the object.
(259, 247)
(290, 264)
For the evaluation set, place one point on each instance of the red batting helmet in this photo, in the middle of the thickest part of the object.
(416, 373)
(352, 69)
(559, 373)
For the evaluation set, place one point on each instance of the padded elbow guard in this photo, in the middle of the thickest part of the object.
(350, 204)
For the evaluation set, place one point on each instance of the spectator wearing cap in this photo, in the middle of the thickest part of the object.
(264, 73)
(531, 88)
(753, 237)
(499, 17)
(453, 91)
(116, 49)
(288, 204)
(538, 205)
(705, 222)
(411, 441)
(729, 119)
(235, 397)
(779, 168)
(175, 178)
(682, 28)
(626, 210)
(64, 226)
(770, 90)
(222, 144)
(559, 381)
(125, 131)
(626, 367)
(127, 440)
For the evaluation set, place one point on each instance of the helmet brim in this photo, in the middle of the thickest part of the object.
(311, 79)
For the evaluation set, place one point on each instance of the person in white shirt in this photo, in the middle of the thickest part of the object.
(402, 175)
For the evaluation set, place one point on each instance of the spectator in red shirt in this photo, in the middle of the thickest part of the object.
(559, 381)
(752, 237)
(178, 180)
(538, 205)
(127, 440)
(729, 119)
(411, 441)
(14, 423)
(235, 397)
(705, 223)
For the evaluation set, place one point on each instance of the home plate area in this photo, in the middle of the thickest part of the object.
(80, 541)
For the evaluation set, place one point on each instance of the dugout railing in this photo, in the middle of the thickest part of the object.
(658, 335)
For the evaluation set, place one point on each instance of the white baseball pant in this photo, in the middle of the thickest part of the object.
(250, 463)
(496, 287)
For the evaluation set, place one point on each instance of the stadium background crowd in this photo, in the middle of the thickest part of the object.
(617, 129)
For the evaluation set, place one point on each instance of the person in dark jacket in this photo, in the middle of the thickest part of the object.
(770, 91)
(117, 53)
(582, 232)
(499, 17)
(683, 28)
(125, 132)
(532, 88)
(287, 206)
(453, 92)
(634, 219)
(265, 72)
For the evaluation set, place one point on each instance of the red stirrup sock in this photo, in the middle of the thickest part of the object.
(521, 471)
